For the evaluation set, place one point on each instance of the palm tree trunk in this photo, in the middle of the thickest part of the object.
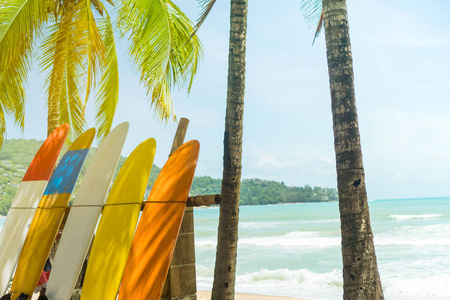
(57, 79)
(361, 277)
(225, 268)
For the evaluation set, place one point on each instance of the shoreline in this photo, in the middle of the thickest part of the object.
(206, 295)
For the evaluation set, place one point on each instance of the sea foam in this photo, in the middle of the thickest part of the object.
(291, 239)
(282, 282)
(409, 217)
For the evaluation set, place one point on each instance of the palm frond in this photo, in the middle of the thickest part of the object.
(12, 95)
(206, 6)
(312, 12)
(72, 105)
(13, 106)
(99, 7)
(319, 27)
(162, 101)
(20, 24)
(2, 125)
(108, 94)
(94, 43)
(148, 24)
(161, 48)
(63, 53)
(186, 51)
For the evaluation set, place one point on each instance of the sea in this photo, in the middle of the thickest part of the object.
(294, 249)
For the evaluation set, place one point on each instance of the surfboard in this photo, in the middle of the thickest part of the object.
(25, 201)
(156, 235)
(117, 225)
(84, 214)
(48, 216)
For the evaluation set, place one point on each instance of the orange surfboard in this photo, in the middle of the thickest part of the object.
(156, 235)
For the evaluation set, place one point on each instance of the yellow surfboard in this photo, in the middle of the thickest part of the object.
(117, 225)
(48, 216)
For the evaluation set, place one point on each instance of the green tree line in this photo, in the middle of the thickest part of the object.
(16, 155)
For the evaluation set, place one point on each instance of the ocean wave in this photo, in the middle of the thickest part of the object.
(420, 287)
(409, 217)
(277, 224)
(324, 221)
(284, 282)
(296, 238)
(429, 235)
(436, 230)
(416, 241)
(209, 242)
(292, 239)
(263, 224)
(304, 283)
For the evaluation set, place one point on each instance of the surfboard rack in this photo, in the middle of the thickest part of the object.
(193, 201)
(204, 200)
(199, 200)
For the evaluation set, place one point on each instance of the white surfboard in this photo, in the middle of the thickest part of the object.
(83, 216)
(26, 200)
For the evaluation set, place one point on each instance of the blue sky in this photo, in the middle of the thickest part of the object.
(401, 52)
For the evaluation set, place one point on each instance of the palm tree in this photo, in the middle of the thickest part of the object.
(77, 48)
(360, 273)
(225, 268)
(226, 254)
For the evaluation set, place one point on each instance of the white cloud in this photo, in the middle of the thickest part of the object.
(265, 160)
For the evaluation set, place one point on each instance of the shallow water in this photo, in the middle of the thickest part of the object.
(294, 249)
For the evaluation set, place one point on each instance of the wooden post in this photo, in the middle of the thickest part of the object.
(179, 135)
(181, 281)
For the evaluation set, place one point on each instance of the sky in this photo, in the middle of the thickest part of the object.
(401, 57)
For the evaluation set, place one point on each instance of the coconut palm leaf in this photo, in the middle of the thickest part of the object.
(72, 106)
(99, 7)
(206, 6)
(12, 102)
(108, 93)
(313, 14)
(95, 48)
(20, 23)
(12, 95)
(2, 125)
(63, 55)
(184, 56)
(154, 43)
(77, 60)
(148, 24)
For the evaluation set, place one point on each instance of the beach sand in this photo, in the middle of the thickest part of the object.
(205, 295)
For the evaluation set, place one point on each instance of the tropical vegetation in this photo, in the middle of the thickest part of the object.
(74, 42)
(17, 154)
